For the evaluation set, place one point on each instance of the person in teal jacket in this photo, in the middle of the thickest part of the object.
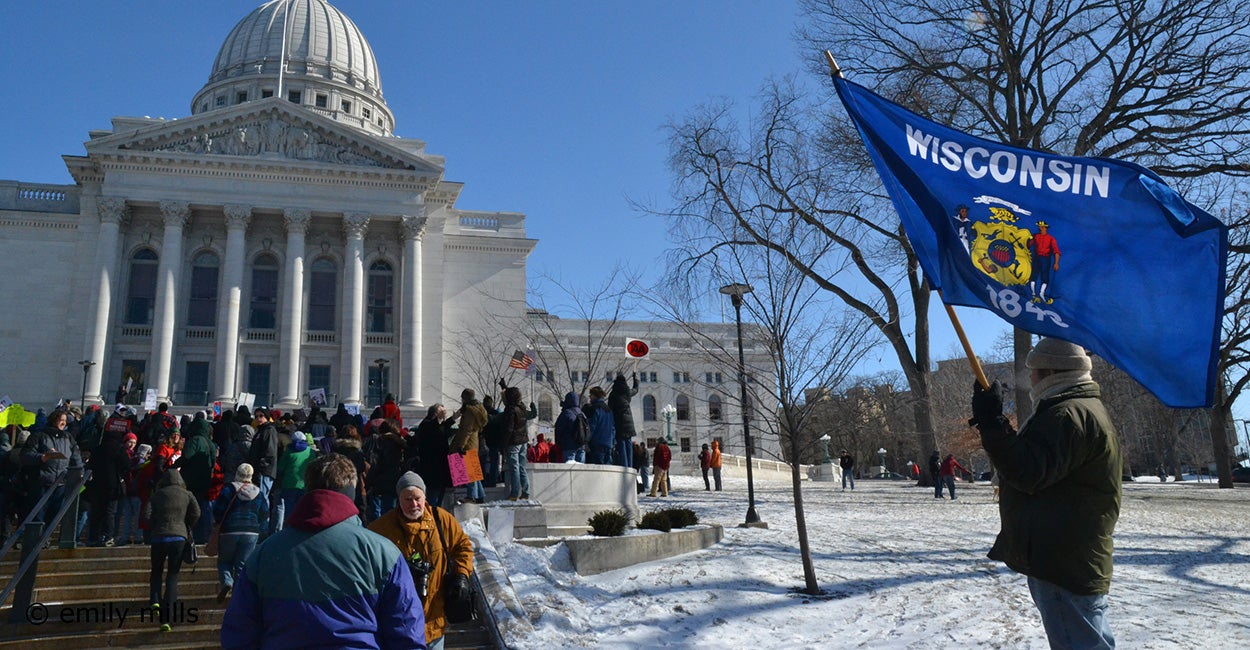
(324, 581)
(291, 466)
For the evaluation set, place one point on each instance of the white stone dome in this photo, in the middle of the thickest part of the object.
(330, 67)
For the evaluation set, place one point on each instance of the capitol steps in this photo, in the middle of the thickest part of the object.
(92, 582)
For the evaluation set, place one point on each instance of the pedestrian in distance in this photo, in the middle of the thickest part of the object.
(324, 581)
(935, 470)
(947, 471)
(705, 464)
(1059, 494)
(661, 458)
(847, 462)
(715, 463)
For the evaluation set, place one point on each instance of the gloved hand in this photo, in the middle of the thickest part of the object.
(458, 588)
(503, 384)
(987, 404)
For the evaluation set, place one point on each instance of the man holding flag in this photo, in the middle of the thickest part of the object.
(1060, 475)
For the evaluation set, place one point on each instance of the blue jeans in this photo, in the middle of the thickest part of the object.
(475, 490)
(625, 453)
(492, 467)
(1072, 620)
(290, 496)
(380, 504)
(848, 475)
(950, 485)
(128, 520)
(578, 455)
(518, 476)
(937, 486)
(600, 454)
(203, 527)
(232, 554)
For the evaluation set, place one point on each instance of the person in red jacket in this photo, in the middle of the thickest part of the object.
(390, 410)
(660, 460)
(948, 473)
(705, 463)
(540, 452)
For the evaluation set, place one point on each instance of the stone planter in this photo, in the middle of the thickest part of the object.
(591, 555)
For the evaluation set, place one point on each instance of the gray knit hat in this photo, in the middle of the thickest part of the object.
(409, 479)
(1057, 354)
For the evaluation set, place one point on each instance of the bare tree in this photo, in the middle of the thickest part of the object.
(776, 189)
(813, 339)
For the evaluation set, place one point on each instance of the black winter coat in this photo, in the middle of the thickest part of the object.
(110, 467)
(618, 401)
(263, 455)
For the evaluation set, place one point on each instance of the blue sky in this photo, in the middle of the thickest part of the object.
(553, 109)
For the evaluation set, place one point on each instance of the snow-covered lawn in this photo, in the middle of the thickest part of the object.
(900, 570)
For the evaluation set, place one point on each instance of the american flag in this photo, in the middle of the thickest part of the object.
(521, 360)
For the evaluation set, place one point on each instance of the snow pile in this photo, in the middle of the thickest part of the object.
(899, 568)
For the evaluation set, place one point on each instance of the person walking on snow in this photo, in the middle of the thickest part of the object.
(948, 473)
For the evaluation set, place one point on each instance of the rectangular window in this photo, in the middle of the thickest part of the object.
(240, 97)
(365, 113)
(321, 302)
(202, 306)
(142, 299)
(321, 101)
(681, 377)
(195, 385)
(319, 377)
(642, 377)
(346, 106)
(654, 379)
(132, 373)
(713, 377)
(685, 445)
(380, 316)
(295, 97)
(220, 101)
(544, 410)
(266, 93)
(258, 382)
(264, 308)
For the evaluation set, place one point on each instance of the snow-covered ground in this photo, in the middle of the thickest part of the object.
(900, 570)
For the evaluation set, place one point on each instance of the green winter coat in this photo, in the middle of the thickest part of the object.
(198, 456)
(1060, 491)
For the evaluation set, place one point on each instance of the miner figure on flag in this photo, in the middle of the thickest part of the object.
(1045, 251)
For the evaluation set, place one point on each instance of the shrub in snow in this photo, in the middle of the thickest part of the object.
(608, 523)
(656, 521)
(681, 517)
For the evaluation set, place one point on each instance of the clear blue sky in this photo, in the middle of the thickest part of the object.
(553, 109)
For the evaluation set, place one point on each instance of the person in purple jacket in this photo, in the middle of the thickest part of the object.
(324, 581)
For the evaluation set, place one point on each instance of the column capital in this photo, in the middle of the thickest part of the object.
(414, 227)
(112, 209)
(355, 224)
(296, 219)
(237, 216)
(176, 213)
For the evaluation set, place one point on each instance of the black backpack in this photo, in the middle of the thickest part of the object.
(581, 430)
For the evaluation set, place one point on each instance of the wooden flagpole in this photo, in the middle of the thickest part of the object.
(950, 311)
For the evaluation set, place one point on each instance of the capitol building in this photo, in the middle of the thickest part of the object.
(278, 240)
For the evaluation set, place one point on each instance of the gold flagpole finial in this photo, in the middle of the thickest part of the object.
(833, 65)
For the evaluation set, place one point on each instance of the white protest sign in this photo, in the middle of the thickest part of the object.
(149, 399)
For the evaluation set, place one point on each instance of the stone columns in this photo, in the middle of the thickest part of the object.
(237, 218)
(292, 309)
(354, 225)
(410, 350)
(175, 214)
(112, 212)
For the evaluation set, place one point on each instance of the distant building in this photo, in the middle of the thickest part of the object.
(692, 369)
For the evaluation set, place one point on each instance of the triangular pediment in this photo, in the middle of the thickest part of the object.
(269, 129)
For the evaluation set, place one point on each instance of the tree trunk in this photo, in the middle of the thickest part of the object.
(1220, 421)
(810, 586)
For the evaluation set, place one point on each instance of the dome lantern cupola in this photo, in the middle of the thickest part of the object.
(330, 67)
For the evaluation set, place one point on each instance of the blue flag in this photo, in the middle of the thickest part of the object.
(1094, 251)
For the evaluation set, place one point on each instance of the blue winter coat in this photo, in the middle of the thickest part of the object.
(244, 513)
(324, 581)
(602, 427)
(566, 423)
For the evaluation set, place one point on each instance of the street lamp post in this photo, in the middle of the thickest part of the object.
(735, 292)
(86, 367)
(881, 453)
(669, 411)
(381, 363)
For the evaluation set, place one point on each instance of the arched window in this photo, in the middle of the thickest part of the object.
(141, 296)
(202, 309)
(648, 408)
(714, 408)
(380, 299)
(263, 314)
(321, 291)
(683, 407)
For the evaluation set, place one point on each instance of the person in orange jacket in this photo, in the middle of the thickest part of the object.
(715, 463)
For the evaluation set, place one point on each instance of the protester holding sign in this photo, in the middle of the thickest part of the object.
(472, 420)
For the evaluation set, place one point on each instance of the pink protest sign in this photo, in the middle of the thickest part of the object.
(459, 474)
